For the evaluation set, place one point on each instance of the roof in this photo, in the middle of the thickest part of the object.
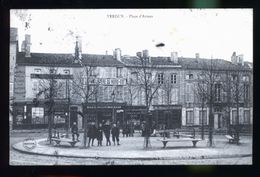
(13, 34)
(133, 60)
(188, 63)
(47, 59)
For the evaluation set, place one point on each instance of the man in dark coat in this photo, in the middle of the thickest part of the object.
(74, 131)
(100, 134)
(92, 132)
(124, 130)
(115, 134)
(106, 129)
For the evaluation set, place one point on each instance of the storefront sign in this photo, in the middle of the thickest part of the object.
(19, 84)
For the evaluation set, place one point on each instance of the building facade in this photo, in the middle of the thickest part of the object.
(12, 61)
(111, 87)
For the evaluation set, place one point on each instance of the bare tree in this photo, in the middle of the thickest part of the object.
(167, 88)
(227, 102)
(49, 86)
(237, 93)
(209, 76)
(85, 86)
(201, 93)
(145, 79)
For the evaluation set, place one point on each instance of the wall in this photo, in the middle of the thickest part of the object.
(29, 81)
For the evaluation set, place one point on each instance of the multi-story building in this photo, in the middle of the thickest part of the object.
(12, 60)
(106, 87)
(35, 72)
(177, 102)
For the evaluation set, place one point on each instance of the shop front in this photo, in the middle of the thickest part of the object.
(27, 115)
(103, 112)
(134, 115)
(167, 116)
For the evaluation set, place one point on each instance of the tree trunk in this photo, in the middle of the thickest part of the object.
(85, 133)
(202, 123)
(211, 116)
(211, 124)
(50, 124)
(85, 127)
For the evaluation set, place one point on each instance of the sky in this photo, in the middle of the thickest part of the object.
(213, 33)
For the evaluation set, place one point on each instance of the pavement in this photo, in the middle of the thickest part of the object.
(132, 148)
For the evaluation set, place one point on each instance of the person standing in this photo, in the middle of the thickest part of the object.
(115, 134)
(92, 133)
(74, 131)
(124, 130)
(106, 129)
(100, 134)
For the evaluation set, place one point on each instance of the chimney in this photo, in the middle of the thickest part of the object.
(240, 59)
(13, 34)
(23, 46)
(139, 54)
(27, 45)
(234, 58)
(117, 54)
(197, 55)
(174, 57)
(145, 53)
(78, 47)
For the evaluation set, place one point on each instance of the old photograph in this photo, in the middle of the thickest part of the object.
(131, 87)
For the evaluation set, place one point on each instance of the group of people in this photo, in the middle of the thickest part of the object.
(97, 133)
(128, 130)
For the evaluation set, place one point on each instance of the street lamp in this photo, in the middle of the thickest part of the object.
(113, 113)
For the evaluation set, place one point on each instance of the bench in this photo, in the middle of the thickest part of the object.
(231, 139)
(59, 140)
(176, 133)
(166, 140)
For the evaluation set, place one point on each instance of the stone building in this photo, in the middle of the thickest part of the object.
(109, 91)
(12, 60)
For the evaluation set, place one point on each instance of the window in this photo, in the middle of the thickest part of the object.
(204, 114)
(93, 71)
(246, 78)
(107, 93)
(189, 118)
(52, 71)
(173, 78)
(35, 87)
(109, 72)
(121, 81)
(189, 93)
(37, 115)
(92, 81)
(174, 96)
(234, 77)
(119, 95)
(91, 92)
(66, 71)
(217, 92)
(61, 89)
(37, 70)
(119, 72)
(108, 82)
(160, 78)
(189, 76)
(234, 117)
(246, 117)
(246, 92)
